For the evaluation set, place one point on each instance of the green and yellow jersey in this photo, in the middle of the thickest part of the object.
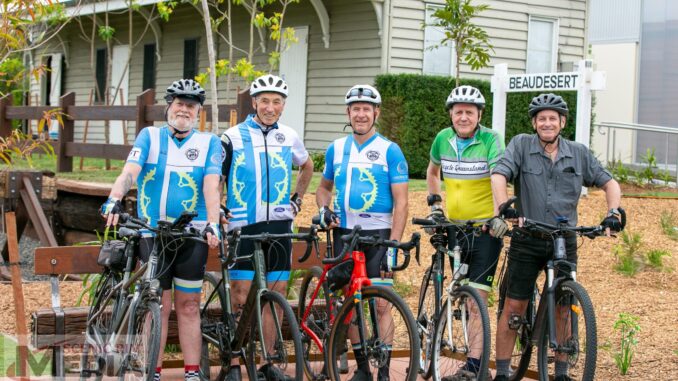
(467, 173)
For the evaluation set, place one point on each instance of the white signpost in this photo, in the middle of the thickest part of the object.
(583, 81)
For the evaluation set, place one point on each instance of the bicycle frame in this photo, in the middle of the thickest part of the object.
(358, 280)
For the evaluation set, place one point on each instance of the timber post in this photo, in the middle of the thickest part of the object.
(147, 98)
(66, 134)
(5, 124)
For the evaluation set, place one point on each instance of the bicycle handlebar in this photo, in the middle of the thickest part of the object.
(236, 235)
(130, 226)
(353, 239)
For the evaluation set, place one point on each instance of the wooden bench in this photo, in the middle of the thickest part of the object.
(61, 326)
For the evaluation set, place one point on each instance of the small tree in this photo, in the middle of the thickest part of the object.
(470, 41)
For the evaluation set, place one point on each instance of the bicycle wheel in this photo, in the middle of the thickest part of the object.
(281, 338)
(426, 322)
(145, 346)
(214, 349)
(318, 321)
(464, 334)
(576, 335)
(390, 349)
(522, 350)
(92, 360)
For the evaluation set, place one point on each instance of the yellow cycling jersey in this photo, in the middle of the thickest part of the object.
(466, 174)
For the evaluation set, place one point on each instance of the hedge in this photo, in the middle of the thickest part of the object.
(413, 112)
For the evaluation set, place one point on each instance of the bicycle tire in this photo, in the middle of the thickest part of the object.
(401, 332)
(318, 321)
(92, 359)
(449, 358)
(212, 325)
(523, 348)
(426, 322)
(572, 294)
(145, 349)
(280, 355)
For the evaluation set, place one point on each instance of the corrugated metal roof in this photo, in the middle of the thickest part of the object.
(614, 21)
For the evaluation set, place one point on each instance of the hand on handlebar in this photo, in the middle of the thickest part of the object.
(327, 218)
(437, 215)
(110, 211)
(612, 224)
(212, 234)
(497, 226)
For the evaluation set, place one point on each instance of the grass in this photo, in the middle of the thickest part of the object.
(94, 171)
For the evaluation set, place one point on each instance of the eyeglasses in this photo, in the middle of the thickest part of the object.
(359, 92)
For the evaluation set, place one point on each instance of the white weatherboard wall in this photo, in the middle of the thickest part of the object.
(617, 102)
(119, 75)
(293, 65)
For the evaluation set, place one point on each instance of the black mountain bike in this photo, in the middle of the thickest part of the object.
(560, 320)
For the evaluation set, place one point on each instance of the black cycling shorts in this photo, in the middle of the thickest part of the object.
(375, 257)
(181, 262)
(481, 253)
(527, 257)
(278, 254)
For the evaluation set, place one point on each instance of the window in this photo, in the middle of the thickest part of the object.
(149, 67)
(437, 61)
(542, 45)
(190, 58)
(100, 73)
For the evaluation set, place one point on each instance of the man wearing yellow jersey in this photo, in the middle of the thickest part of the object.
(466, 152)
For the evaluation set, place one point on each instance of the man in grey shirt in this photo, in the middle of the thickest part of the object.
(548, 172)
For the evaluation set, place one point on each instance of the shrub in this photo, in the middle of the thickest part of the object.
(629, 258)
(654, 259)
(318, 158)
(668, 223)
(628, 327)
(413, 112)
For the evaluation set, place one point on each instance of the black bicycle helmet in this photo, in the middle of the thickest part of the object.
(185, 88)
(547, 102)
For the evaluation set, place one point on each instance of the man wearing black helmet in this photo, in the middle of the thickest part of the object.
(548, 172)
(177, 169)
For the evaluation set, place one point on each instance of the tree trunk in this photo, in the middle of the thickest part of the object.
(213, 69)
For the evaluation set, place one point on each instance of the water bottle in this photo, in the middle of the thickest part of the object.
(456, 254)
(391, 258)
(560, 248)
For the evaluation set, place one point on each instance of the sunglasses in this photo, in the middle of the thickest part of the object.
(359, 92)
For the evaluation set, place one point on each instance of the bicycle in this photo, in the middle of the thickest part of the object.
(446, 346)
(222, 335)
(126, 304)
(561, 298)
(325, 326)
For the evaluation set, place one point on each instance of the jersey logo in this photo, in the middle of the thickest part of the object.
(402, 168)
(237, 186)
(280, 138)
(462, 168)
(368, 198)
(373, 155)
(134, 154)
(192, 154)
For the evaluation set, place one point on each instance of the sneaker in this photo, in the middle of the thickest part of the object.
(461, 375)
(563, 377)
(501, 377)
(234, 374)
(359, 375)
(273, 373)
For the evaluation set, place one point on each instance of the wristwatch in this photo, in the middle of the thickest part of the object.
(296, 199)
(433, 199)
(614, 212)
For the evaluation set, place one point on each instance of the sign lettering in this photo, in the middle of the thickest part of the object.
(550, 81)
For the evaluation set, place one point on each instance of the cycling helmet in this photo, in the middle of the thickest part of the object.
(363, 93)
(269, 83)
(465, 94)
(185, 88)
(547, 102)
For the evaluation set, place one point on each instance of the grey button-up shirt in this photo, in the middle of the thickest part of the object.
(547, 190)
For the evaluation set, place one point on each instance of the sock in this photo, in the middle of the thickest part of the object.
(561, 368)
(503, 367)
(158, 370)
(472, 365)
(360, 358)
(191, 371)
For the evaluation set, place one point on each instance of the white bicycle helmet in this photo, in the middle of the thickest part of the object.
(185, 88)
(363, 93)
(465, 94)
(269, 83)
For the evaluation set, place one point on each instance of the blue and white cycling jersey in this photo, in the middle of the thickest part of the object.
(363, 176)
(260, 175)
(172, 172)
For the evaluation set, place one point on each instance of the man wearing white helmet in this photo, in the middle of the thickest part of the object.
(377, 201)
(466, 152)
(258, 176)
(177, 169)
